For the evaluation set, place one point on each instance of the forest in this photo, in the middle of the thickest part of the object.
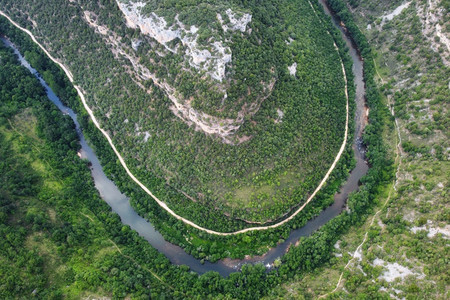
(201, 245)
(43, 176)
(64, 228)
(258, 181)
(411, 66)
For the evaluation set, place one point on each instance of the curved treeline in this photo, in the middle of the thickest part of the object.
(201, 245)
(305, 256)
(118, 275)
(47, 247)
(259, 180)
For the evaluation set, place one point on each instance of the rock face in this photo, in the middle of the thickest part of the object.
(211, 56)
(236, 24)
(156, 27)
(293, 69)
(204, 48)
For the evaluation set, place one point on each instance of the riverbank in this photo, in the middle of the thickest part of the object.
(254, 282)
(161, 203)
(316, 223)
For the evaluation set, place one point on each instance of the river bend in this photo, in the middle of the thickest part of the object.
(121, 205)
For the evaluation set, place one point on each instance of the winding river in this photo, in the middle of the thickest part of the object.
(120, 203)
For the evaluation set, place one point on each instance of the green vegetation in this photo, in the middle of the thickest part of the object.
(412, 230)
(57, 242)
(259, 180)
(52, 242)
(199, 244)
(58, 238)
(79, 227)
(72, 231)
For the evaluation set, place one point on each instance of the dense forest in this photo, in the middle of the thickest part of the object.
(69, 240)
(411, 231)
(292, 138)
(72, 243)
(200, 245)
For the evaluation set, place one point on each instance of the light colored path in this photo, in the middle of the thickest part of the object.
(398, 161)
(161, 203)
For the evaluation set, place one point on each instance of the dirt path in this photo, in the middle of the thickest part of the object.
(398, 160)
(161, 203)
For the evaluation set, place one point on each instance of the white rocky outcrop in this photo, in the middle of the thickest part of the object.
(209, 124)
(432, 231)
(289, 41)
(135, 44)
(433, 17)
(280, 115)
(293, 69)
(392, 271)
(225, 128)
(235, 23)
(211, 57)
(394, 13)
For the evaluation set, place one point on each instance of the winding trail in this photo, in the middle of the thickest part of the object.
(398, 160)
(161, 203)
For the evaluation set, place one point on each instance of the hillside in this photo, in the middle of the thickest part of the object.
(60, 237)
(401, 252)
(54, 227)
(227, 111)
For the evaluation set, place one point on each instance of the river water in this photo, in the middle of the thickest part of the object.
(121, 205)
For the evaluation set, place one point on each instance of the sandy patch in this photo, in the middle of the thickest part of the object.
(91, 18)
(394, 271)
(433, 231)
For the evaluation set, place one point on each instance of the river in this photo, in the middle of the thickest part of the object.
(121, 205)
